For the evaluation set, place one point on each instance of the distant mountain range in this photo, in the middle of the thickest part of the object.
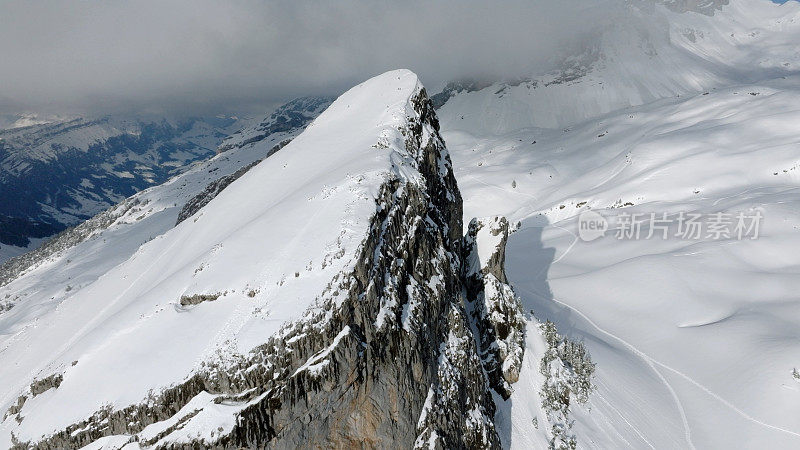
(393, 270)
(57, 174)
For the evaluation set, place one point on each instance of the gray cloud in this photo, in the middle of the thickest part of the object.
(201, 56)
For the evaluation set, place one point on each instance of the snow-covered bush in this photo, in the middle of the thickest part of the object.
(568, 370)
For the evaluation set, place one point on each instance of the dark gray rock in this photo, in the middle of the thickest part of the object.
(493, 307)
(385, 358)
(49, 382)
(196, 299)
(456, 87)
(16, 408)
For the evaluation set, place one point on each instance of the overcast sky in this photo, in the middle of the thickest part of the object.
(201, 56)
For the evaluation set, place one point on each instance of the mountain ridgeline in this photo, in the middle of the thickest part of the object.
(392, 270)
(58, 174)
(390, 354)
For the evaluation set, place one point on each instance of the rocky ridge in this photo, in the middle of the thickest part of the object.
(494, 308)
(391, 354)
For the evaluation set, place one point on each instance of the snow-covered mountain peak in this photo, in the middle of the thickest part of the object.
(321, 282)
(195, 301)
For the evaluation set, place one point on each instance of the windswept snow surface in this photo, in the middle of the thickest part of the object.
(268, 244)
(143, 217)
(638, 57)
(695, 340)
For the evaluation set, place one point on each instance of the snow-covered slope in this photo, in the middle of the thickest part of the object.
(58, 173)
(325, 297)
(681, 329)
(639, 56)
(695, 340)
(248, 240)
(24, 120)
(78, 256)
(336, 256)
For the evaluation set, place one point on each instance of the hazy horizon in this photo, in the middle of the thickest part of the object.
(200, 58)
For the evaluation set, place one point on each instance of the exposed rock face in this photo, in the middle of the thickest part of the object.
(15, 408)
(455, 87)
(402, 369)
(402, 348)
(385, 358)
(196, 299)
(494, 308)
(38, 386)
(52, 381)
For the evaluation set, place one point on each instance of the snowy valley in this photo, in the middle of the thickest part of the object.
(58, 174)
(393, 270)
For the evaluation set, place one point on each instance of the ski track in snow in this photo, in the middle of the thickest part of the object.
(621, 416)
(645, 358)
(652, 362)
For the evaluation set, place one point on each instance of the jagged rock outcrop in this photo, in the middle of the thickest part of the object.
(196, 299)
(16, 407)
(386, 356)
(49, 382)
(38, 386)
(494, 308)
